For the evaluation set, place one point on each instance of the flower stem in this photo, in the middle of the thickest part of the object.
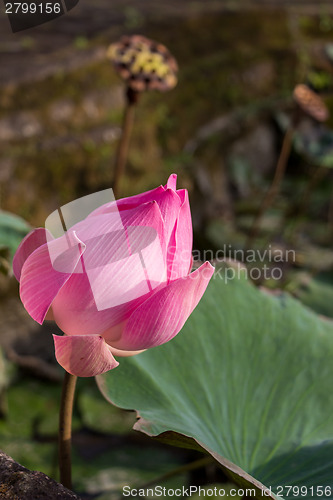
(314, 180)
(122, 153)
(274, 188)
(65, 429)
(330, 215)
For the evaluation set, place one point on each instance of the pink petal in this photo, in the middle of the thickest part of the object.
(122, 268)
(105, 232)
(75, 311)
(172, 182)
(169, 204)
(129, 203)
(28, 245)
(139, 199)
(124, 261)
(40, 281)
(167, 199)
(124, 354)
(163, 315)
(84, 355)
(180, 247)
(183, 195)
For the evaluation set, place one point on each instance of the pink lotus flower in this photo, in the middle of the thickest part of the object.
(117, 282)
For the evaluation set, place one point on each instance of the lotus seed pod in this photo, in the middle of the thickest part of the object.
(143, 63)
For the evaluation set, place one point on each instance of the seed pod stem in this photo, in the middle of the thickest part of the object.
(122, 153)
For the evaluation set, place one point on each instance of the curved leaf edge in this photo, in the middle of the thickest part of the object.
(240, 477)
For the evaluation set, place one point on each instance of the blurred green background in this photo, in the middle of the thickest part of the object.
(220, 130)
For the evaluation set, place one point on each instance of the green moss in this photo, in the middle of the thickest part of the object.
(61, 85)
(223, 57)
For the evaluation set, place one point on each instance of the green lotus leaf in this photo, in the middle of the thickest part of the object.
(316, 293)
(249, 379)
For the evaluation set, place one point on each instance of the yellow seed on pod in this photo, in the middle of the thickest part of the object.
(143, 63)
